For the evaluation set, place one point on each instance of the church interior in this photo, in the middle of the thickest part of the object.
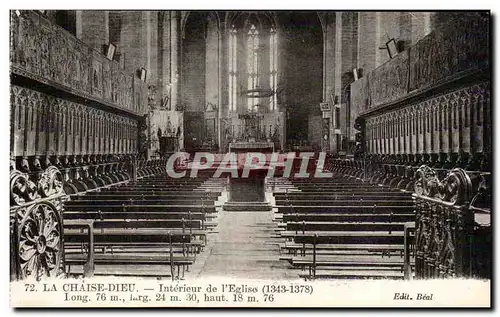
(395, 105)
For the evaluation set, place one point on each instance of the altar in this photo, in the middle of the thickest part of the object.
(253, 137)
(250, 188)
(253, 132)
(249, 146)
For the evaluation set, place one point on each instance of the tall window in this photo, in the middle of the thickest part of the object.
(232, 68)
(252, 64)
(273, 68)
(261, 71)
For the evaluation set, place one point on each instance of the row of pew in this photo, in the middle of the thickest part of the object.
(344, 228)
(154, 227)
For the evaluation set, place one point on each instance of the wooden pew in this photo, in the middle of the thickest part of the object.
(88, 225)
(294, 227)
(159, 185)
(191, 227)
(361, 201)
(138, 241)
(132, 202)
(151, 221)
(345, 228)
(156, 193)
(409, 248)
(139, 208)
(341, 195)
(110, 237)
(343, 264)
(347, 209)
(344, 189)
(106, 197)
(165, 183)
(354, 217)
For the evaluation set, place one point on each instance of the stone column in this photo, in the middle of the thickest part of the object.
(174, 59)
(349, 62)
(329, 64)
(324, 28)
(164, 55)
(368, 44)
(334, 144)
(325, 144)
(223, 83)
(329, 39)
(380, 54)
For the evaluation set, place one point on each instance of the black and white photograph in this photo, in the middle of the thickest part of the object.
(265, 158)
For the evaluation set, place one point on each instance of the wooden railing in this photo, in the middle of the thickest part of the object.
(444, 223)
(452, 232)
(409, 249)
(36, 224)
(88, 225)
(36, 199)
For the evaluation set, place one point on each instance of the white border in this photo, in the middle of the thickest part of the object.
(191, 4)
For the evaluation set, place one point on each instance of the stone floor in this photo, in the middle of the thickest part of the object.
(244, 247)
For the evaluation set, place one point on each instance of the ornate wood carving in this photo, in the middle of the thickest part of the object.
(444, 223)
(435, 125)
(22, 189)
(49, 54)
(51, 182)
(389, 82)
(443, 54)
(47, 126)
(37, 241)
(438, 57)
(455, 188)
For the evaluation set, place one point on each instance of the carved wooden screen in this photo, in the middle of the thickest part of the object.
(45, 125)
(450, 122)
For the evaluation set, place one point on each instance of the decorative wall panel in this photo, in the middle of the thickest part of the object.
(361, 99)
(49, 54)
(443, 54)
(438, 57)
(97, 75)
(389, 82)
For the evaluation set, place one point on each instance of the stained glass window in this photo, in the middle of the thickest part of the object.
(252, 63)
(255, 52)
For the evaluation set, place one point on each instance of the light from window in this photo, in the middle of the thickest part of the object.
(253, 72)
(252, 64)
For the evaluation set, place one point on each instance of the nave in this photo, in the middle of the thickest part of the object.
(397, 105)
(343, 227)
